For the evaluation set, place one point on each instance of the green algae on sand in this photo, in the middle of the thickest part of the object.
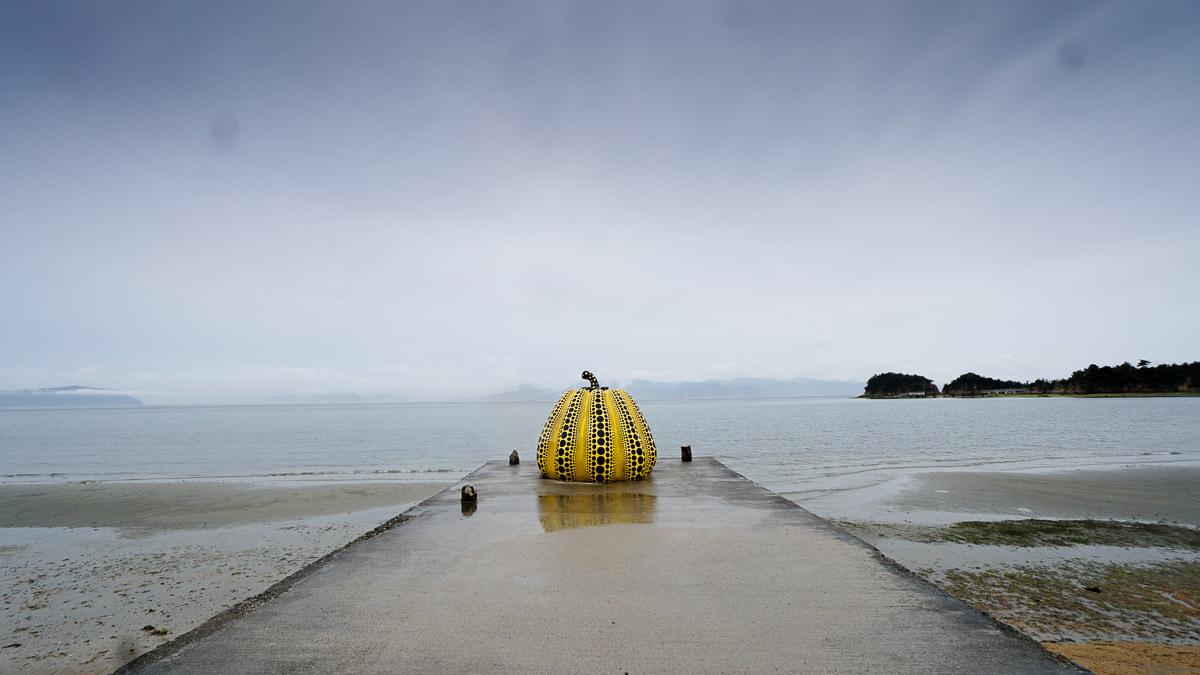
(1038, 532)
(1088, 601)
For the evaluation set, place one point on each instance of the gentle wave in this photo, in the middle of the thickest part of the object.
(410, 475)
(794, 446)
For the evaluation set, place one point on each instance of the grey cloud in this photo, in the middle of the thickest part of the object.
(406, 196)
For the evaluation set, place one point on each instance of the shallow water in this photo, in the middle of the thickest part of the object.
(806, 449)
(808, 446)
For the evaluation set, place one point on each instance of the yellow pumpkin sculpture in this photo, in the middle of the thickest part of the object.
(596, 434)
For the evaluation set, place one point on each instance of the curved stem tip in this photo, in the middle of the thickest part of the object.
(591, 378)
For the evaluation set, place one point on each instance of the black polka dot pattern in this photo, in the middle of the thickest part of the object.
(596, 435)
(567, 453)
(548, 457)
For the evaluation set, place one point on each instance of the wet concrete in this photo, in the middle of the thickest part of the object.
(694, 569)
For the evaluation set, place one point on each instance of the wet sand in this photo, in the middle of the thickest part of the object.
(1132, 658)
(192, 504)
(1148, 494)
(94, 574)
(91, 575)
(1126, 607)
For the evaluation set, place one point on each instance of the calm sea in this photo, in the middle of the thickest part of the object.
(799, 447)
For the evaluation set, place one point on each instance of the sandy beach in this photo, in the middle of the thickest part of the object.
(94, 574)
(1102, 566)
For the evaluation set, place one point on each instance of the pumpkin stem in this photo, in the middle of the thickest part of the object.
(591, 378)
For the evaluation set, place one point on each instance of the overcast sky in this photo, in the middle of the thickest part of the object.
(212, 201)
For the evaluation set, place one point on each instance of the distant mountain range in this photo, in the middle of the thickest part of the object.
(338, 398)
(742, 387)
(526, 392)
(73, 396)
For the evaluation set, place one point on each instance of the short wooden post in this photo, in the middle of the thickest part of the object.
(469, 494)
(513, 458)
(686, 450)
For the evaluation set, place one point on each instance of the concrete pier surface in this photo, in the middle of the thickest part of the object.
(695, 569)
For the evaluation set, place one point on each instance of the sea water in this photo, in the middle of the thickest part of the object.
(803, 448)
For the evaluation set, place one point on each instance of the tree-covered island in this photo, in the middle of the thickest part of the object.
(1123, 380)
(970, 384)
(899, 385)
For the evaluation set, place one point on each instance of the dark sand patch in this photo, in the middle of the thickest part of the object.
(1029, 533)
(1035, 532)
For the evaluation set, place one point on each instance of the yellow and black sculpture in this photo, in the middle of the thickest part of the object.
(596, 434)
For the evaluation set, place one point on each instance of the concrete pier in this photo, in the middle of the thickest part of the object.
(695, 569)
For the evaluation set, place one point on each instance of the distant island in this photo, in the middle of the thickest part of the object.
(970, 384)
(899, 385)
(73, 396)
(1123, 380)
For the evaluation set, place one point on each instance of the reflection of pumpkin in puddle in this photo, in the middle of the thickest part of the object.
(559, 512)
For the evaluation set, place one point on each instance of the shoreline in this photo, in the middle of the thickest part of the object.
(193, 504)
(95, 574)
(932, 495)
(1143, 492)
(98, 573)
(1131, 394)
(1099, 565)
